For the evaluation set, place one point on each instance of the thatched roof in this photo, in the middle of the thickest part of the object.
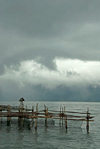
(21, 99)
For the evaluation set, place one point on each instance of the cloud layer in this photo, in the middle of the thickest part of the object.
(50, 49)
(68, 72)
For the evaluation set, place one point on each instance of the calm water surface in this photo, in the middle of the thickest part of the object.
(54, 137)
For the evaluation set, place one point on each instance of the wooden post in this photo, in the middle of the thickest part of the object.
(35, 123)
(45, 110)
(32, 110)
(64, 109)
(32, 115)
(46, 114)
(21, 109)
(19, 116)
(8, 117)
(60, 117)
(66, 122)
(26, 108)
(1, 114)
(25, 111)
(37, 108)
(36, 117)
(87, 122)
(65, 118)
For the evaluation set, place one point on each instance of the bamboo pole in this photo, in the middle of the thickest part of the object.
(1, 114)
(21, 117)
(66, 122)
(62, 115)
(64, 109)
(32, 115)
(26, 108)
(65, 119)
(87, 122)
(36, 117)
(45, 114)
(8, 115)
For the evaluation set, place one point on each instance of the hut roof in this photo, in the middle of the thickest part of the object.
(21, 99)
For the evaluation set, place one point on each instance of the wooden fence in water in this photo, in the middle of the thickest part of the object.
(34, 114)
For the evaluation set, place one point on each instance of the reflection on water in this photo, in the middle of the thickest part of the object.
(53, 136)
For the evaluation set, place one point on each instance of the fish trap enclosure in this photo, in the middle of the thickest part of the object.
(36, 118)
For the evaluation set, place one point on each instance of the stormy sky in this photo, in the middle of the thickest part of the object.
(50, 50)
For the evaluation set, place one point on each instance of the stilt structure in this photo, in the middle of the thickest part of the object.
(25, 113)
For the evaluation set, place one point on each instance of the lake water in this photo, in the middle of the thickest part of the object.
(53, 137)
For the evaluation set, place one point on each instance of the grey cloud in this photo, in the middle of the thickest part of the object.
(42, 30)
(47, 18)
(59, 22)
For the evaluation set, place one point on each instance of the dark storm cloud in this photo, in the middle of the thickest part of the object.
(42, 18)
(47, 17)
(42, 30)
(59, 28)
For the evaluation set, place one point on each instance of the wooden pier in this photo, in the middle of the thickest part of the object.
(34, 114)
